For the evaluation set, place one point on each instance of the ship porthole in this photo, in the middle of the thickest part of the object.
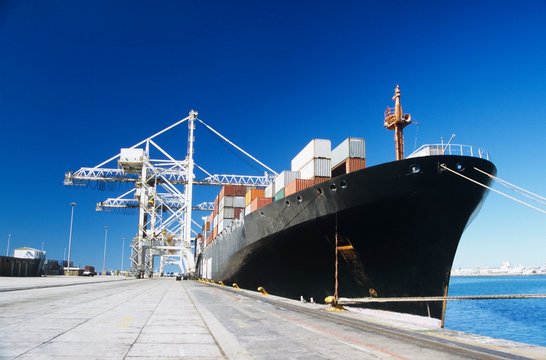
(459, 166)
(343, 184)
(373, 292)
(287, 202)
(299, 198)
(415, 169)
(333, 187)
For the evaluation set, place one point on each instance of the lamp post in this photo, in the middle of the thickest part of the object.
(73, 205)
(7, 249)
(104, 257)
(122, 251)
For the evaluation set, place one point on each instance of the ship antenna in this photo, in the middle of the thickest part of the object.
(396, 120)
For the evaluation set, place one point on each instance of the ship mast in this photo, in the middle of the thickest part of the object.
(396, 120)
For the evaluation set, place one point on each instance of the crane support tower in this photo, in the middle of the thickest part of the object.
(163, 194)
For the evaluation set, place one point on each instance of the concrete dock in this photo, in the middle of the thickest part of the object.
(113, 318)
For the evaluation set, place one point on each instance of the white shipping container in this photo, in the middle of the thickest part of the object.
(239, 201)
(349, 148)
(285, 178)
(247, 210)
(215, 221)
(270, 190)
(226, 213)
(226, 201)
(317, 167)
(317, 148)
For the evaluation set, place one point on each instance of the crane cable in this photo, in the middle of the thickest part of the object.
(494, 190)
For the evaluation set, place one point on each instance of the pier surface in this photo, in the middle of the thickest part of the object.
(112, 318)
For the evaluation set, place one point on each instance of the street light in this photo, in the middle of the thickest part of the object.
(7, 249)
(72, 204)
(122, 251)
(104, 257)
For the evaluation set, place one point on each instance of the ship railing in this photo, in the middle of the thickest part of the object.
(450, 149)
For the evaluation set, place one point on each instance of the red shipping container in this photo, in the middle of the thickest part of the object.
(354, 164)
(297, 185)
(259, 202)
(238, 212)
(233, 190)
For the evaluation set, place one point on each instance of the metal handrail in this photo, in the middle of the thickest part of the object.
(450, 149)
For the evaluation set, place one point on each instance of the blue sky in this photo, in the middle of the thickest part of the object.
(80, 80)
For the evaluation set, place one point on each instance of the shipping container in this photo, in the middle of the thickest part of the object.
(237, 212)
(316, 167)
(225, 201)
(214, 232)
(297, 185)
(233, 190)
(320, 179)
(285, 178)
(226, 213)
(248, 208)
(251, 194)
(270, 190)
(259, 202)
(347, 166)
(239, 201)
(317, 148)
(279, 195)
(349, 148)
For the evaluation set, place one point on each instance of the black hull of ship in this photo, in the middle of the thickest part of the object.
(403, 228)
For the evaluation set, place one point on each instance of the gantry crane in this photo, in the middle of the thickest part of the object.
(165, 210)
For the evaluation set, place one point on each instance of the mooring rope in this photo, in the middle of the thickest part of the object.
(516, 188)
(347, 301)
(494, 190)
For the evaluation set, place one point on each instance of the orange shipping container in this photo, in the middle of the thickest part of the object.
(252, 194)
(259, 202)
(297, 185)
(320, 179)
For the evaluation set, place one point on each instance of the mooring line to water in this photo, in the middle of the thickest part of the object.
(494, 190)
(347, 301)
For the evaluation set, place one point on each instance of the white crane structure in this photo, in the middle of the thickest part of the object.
(163, 194)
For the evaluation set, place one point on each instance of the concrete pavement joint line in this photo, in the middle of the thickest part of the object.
(72, 328)
(426, 340)
(143, 326)
(227, 343)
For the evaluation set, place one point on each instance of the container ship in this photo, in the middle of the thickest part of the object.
(332, 226)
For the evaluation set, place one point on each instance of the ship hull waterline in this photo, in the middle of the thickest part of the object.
(400, 229)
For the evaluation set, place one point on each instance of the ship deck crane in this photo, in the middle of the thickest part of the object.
(165, 210)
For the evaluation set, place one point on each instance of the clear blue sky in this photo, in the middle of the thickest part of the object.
(81, 79)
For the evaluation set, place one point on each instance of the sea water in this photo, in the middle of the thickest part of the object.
(522, 320)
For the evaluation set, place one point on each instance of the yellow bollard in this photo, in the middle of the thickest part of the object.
(332, 304)
(262, 290)
(221, 283)
(236, 286)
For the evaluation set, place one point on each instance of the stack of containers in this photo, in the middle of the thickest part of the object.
(314, 161)
(259, 202)
(252, 194)
(349, 156)
(282, 180)
(231, 203)
(298, 185)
